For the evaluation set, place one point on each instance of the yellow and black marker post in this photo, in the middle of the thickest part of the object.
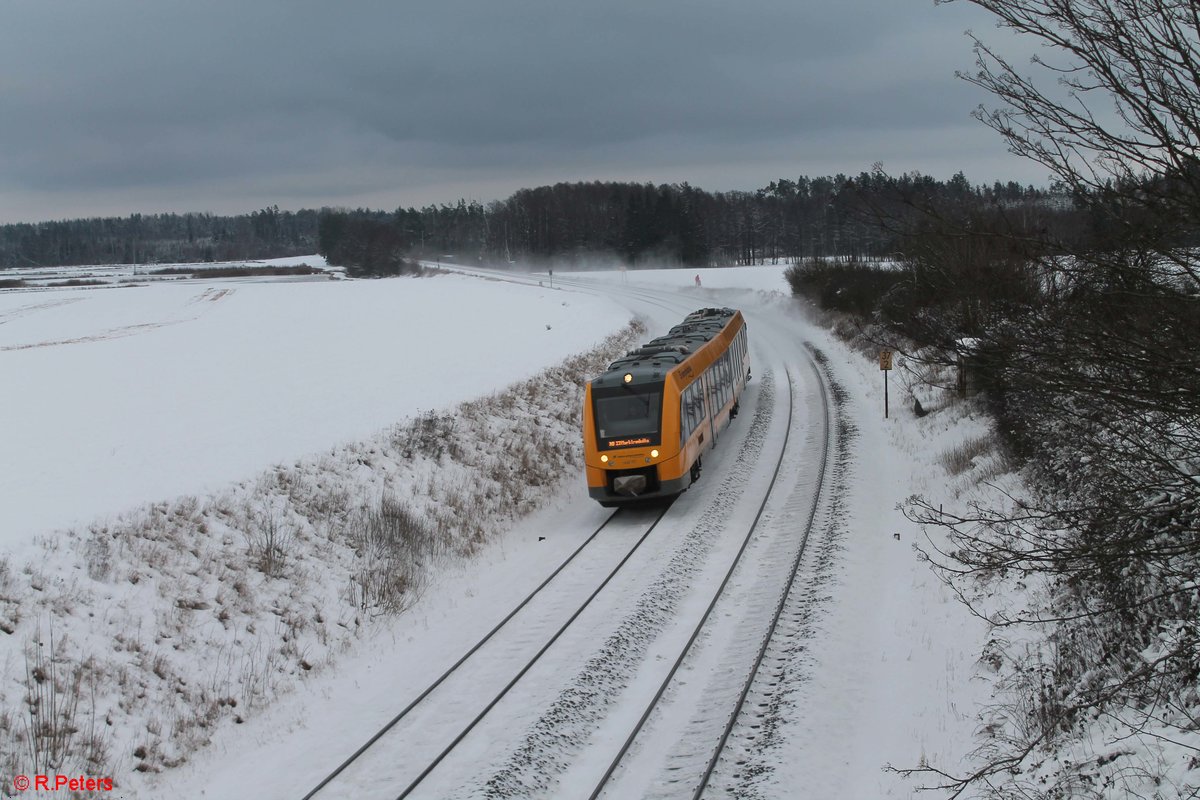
(885, 365)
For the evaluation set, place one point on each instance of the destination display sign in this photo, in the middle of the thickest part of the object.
(644, 440)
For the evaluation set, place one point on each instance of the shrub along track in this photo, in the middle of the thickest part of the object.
(203, 611)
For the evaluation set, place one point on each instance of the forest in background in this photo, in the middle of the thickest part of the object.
(159, 239)
(567, 223)
(668, 224)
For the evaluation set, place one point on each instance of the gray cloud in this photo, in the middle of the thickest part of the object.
(122, 106)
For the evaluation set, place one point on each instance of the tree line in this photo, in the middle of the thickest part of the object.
(667, 224)
(159, 238)
(580, 223)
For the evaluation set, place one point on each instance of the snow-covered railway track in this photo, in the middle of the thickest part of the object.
(744, 724)
(331, 784)
(705, 741)
(646, 297)
(735, 547)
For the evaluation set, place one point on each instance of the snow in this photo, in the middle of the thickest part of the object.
(117, 397)
(125, 397)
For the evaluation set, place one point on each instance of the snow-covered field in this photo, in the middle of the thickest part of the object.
(120, 398)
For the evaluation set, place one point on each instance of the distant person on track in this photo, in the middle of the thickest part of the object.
(697, 279)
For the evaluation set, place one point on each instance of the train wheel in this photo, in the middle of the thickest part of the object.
(696, 471)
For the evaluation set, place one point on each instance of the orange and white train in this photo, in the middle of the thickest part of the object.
(648, 420)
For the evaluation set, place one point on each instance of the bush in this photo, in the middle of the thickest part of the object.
(77, 282)
(393, 543)
(849, 285)
(385, 268)
(238, 272)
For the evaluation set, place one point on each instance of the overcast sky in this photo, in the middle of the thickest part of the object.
(118, 106)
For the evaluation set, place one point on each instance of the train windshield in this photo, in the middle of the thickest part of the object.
(628, 416)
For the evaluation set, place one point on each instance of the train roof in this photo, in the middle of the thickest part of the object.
(650, 362)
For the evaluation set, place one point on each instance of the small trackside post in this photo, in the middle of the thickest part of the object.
(885, 366)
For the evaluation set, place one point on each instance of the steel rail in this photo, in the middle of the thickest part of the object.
(708, 611)
(762, 650)
(449, 748)
(429, 690)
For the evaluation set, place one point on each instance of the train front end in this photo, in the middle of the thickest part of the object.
(626, 444)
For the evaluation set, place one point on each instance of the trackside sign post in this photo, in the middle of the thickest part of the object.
(885, 365)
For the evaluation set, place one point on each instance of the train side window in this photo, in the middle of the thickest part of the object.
(684, 421)
(723, 366)
(695, 405)
(719, 379)
(691, 414)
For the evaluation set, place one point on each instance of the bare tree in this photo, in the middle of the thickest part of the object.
(1112, 109)
(1096, 386)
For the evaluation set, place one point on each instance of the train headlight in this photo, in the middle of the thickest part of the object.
(628, 377)
(603, 459)
(654, 454)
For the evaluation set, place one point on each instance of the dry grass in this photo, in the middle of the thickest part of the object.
(961, 457)
(393, 544)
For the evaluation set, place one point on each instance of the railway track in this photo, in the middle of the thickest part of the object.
(742, 763)
(741, 726)
(670, 677)
(737, 729)
(329, 785)
(691, 776)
